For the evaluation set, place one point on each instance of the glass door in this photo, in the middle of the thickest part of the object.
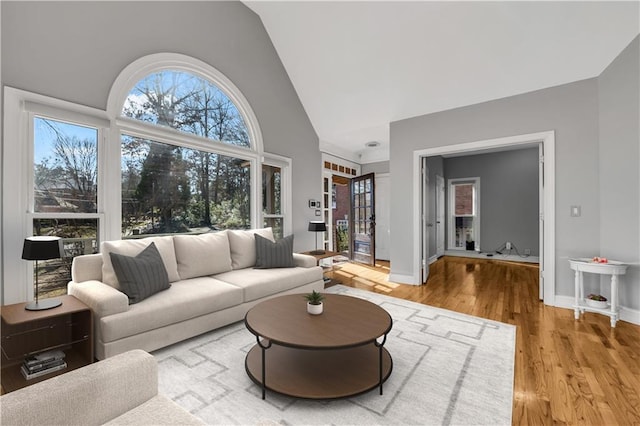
(363, 219)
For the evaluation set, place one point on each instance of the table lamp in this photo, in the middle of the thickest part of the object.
(317, 226)
(42, 248)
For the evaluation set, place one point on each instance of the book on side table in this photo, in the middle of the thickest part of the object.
(43, 363)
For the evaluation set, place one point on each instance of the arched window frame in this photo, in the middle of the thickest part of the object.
(121, 88)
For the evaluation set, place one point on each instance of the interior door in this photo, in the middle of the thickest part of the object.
(363, 219)
(440, 218)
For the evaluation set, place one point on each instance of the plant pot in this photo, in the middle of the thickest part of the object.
(314, 309)
(596, 303)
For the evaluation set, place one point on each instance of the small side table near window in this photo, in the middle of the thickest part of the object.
(326, 254)
(68, 327)
(613, 268)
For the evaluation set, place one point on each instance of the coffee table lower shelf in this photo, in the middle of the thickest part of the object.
(319, 373)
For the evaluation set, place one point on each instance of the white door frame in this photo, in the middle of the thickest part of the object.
(440, 200)
(547, 209)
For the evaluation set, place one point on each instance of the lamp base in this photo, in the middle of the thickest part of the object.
(43, 304)
(317, 252)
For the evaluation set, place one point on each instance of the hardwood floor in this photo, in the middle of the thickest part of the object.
(566, 371)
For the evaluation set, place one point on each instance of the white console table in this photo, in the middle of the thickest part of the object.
(612, 268)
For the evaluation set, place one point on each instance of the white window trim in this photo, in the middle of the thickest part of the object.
(286, 192)
(17, 222)
(451, 216)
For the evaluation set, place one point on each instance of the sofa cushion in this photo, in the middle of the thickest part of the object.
(132, 248)
(142, 275)
(202, 255)
(274, 255)
(185, 299)
(243, 246)
(258, 283)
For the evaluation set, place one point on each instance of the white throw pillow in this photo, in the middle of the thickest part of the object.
(243, 246)
(202, 255)
(133, 248)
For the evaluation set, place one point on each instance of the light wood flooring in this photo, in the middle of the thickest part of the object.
(566, 371)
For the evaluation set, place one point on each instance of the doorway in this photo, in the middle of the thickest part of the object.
(546, 143)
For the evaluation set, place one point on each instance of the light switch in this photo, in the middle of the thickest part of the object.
(575, 211)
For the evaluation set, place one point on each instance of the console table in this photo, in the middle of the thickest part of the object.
(613, 268)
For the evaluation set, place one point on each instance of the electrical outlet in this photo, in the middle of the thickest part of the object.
(508, 245)
(527, 252)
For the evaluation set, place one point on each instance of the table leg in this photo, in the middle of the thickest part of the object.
(614, 299)
(263, 348)
(380, 346)
(576, 308)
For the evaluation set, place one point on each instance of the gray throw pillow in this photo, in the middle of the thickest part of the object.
(274, 255)
(141, 276)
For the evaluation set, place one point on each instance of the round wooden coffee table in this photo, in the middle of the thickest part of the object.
(332, 355)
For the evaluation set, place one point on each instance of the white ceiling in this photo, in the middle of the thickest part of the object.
(357, 66)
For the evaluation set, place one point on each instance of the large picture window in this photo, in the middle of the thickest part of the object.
(172, 189)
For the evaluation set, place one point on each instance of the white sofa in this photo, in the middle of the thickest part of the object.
(213, 283)
(122, 390)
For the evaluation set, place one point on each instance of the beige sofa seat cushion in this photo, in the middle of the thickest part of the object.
(202, 255)
(258, 283)
(185, 299)
(243, 246)
(134, 247)
(159, 410)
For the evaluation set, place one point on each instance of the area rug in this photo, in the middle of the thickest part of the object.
(448, 368)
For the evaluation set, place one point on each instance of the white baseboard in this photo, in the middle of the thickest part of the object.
(402, 279)
(626, 314)
(433, 259)
(476, 255)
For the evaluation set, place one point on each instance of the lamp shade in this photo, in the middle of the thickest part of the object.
(42, 248)
(317, 226)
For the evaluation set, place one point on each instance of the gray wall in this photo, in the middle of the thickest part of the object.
(508, 196)
(618, 93)
(571, 110)
(379, 167)
(75, 50)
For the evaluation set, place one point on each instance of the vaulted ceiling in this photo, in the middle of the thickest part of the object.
(358, 66)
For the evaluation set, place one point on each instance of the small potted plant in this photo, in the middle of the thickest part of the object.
(596, 301)
(314, 302)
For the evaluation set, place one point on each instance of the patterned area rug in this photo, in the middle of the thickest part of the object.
(448, 368)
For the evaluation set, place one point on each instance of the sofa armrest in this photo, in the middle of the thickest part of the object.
(90, 395)
(304, 260)
(86, 267)
(103, 299)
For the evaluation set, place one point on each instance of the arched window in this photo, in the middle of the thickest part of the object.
(188, 103)
(190, 149)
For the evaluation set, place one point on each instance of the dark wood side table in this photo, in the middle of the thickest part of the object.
(68, 327)
(327, 254)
